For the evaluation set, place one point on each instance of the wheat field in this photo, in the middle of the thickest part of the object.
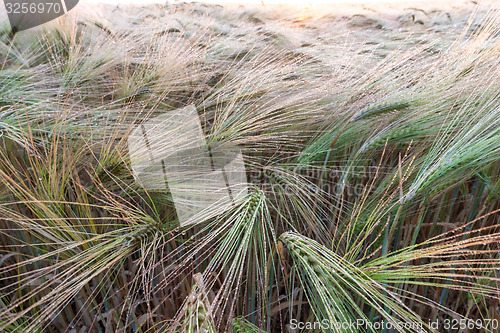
(370, 140)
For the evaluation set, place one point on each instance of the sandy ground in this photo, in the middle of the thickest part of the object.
(354, 35)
